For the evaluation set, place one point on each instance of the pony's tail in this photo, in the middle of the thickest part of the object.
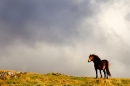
(107, 68)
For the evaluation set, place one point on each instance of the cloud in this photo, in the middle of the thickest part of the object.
(42, 20)
(45, 36)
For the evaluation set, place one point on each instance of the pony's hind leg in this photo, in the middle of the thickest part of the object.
(104, 73)
(107, 75)
(101, 73)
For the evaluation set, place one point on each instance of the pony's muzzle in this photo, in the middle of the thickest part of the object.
(89, 61)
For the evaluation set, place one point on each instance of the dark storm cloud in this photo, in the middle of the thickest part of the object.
(50, 21)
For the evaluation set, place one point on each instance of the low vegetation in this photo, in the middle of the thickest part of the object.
(15, 78)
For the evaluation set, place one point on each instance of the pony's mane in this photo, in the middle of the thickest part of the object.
(96, 56)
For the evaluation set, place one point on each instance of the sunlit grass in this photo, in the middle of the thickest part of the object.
(57, 79)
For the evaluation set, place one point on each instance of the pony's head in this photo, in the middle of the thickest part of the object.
(91, 57)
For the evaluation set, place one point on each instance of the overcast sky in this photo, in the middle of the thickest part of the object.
(58, 35)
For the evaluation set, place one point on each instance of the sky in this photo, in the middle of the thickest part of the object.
(47, 36)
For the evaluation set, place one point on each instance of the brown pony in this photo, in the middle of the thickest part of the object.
(101, 65)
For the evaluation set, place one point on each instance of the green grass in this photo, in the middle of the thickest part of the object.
(57, 79)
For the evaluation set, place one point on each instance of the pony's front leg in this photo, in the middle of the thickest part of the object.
(96, 73)
(101, 73)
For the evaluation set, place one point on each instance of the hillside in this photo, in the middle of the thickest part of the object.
(15, 78)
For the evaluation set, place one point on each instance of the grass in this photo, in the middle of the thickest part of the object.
(57, 79)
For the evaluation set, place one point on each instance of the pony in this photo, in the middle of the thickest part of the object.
(100, 64)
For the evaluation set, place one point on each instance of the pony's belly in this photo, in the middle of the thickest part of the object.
(99, 67)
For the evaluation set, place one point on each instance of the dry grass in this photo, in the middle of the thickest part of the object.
(57, 79)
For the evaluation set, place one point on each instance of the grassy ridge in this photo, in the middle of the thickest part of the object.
(57, 79)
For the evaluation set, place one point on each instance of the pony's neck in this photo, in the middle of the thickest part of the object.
(96, 59)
